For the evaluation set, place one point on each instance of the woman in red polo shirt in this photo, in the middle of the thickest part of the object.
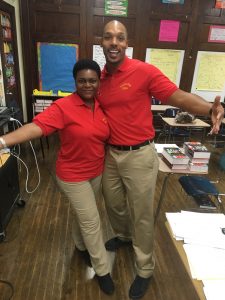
(83, 131)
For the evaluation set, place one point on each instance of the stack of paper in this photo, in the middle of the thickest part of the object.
(204, 245)
(214, 289)
(198, 228)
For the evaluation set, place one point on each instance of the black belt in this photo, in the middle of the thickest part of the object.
(133, 147)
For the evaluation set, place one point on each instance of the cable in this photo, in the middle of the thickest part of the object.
(27, 171)
(9, 284)
(17, 122)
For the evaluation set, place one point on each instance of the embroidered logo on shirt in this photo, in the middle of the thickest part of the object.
(104, 120)
(125, 86)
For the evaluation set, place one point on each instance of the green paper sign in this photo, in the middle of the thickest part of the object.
(116, 8)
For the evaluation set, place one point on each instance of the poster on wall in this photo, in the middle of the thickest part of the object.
(55, 66)
(168, 61)
(169, 30)
(209, 84)
(215, 79)
(99, 56)
(216, 34)
(116, 8)
(220, 4)
(173, 1)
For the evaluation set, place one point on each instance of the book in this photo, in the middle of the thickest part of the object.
(198, 160)
(198, 167)
(196, 150)
(204, 201)
(175, 155)
(174, 166)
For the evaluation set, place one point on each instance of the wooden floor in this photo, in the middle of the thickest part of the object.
(39, 259)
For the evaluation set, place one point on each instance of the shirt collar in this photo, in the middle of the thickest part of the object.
(79, 102)
(121, 68)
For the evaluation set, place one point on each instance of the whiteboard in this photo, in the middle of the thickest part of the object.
(209, 76)
(168, 61)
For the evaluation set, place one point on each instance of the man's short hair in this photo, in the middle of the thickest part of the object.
(84, 64)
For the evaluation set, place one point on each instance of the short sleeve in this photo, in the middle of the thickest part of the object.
(50, 120)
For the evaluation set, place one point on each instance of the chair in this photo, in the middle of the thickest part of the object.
(197, 186)
(155, 101)
(219, 139)
(167, 131)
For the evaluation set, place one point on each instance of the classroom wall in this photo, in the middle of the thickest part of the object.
(81, 22)
(15, 4)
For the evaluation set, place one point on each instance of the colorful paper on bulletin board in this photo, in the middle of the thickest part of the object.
(211, 72)
(116, 8)
(216, 34)
(220, 4)
(173, 1)
(168, 61)
(168, 31)
(55, 66)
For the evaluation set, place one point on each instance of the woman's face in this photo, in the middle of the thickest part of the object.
(87, 83)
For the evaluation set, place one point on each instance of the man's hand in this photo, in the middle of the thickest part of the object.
(217, 115)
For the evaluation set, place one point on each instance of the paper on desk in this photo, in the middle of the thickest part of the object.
(214, 289)
(159, 147)
(198, 228)
(174, 219)
(204, 229)
(205, 262)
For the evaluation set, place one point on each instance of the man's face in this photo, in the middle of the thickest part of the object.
(114, 42)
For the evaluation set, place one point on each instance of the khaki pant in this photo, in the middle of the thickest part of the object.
(129, 182)
(87, 226)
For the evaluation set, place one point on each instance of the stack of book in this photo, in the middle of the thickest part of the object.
(199, 156)
(41, 104)
(175, 158)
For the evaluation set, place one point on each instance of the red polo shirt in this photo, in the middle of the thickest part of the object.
(125, 97)
(83, 134)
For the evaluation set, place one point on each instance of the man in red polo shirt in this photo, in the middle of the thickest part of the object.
(131, 166)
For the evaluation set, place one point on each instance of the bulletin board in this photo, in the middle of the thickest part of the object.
(55, 66)
(168, 61)
(209, 75)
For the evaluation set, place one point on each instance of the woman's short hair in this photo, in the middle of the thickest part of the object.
(83, 64)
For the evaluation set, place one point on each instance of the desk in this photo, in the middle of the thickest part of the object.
(3, 158)
(165, 169)
(196, 123)
(10, 190)
(179, 247)
(160, 107)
